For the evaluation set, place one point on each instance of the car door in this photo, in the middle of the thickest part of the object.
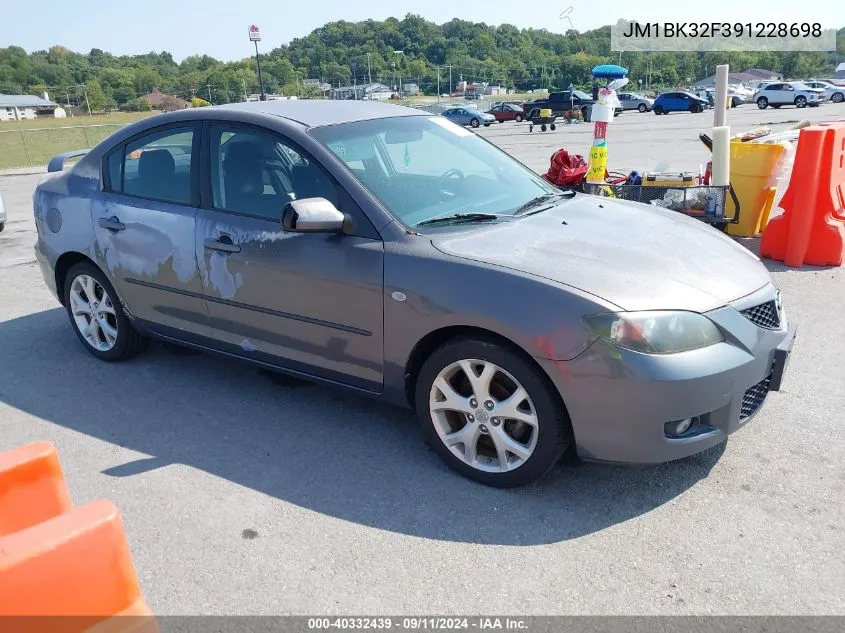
(311, 302)
(776, 93)
(626, 102)
(145, 223)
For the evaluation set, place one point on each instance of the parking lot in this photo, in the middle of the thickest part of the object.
(245, 493)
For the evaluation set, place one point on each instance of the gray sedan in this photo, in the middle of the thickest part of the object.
(634, 101)
(394, 253)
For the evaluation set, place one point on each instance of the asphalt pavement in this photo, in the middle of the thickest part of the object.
(244, 493)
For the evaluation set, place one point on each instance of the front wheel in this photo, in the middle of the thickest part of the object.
(486, 125)
(838, 97)
(97, 316)
(658, 110)
(490, 414)
(775, 105)
(642, 107)
(518, 118)
(552, 127)
(762, 103)
(800, 102)
(695, 108)
(474, 122)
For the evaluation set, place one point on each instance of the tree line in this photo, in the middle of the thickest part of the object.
(412, 49)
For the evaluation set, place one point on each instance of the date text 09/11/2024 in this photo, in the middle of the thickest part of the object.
(722, 29)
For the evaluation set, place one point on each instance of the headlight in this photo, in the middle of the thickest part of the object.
(655, 332)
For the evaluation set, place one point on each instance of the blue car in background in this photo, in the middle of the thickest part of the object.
(468, 116)
(679, 102)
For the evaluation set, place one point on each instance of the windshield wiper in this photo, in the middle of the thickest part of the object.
(546, 197)
(456, 218)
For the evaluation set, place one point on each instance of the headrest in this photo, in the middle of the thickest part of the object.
(155, 162)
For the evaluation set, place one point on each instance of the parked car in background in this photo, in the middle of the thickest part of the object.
(635, 101)
(463, 115)
(679, 102)
(562, 102)
(831, 92)
(507, 112)
(710, 97)
(382, 249)
(2, 213)
(788, 93)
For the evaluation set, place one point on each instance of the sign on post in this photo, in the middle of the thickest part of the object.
(254, 33)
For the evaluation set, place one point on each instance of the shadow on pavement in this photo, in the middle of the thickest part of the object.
(326, 450)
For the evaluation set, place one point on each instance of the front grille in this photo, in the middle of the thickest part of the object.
(753, 397)
(764, 315)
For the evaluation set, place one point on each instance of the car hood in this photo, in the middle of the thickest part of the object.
(634, 256)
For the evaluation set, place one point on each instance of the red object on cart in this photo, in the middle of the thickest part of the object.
(566, 170)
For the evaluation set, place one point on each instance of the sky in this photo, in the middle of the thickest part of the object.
(219, 27)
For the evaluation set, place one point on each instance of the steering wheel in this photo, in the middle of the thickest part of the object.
(450, 181)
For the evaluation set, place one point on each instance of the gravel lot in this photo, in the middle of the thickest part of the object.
(247, 495)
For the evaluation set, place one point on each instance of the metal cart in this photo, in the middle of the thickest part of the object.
(704, 202)
(542, 121)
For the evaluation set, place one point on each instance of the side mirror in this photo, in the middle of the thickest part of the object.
(313, 215)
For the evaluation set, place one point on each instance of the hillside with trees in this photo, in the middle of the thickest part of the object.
(337, 53)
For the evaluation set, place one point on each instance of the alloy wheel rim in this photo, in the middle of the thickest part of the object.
(93, 313)
(483, 415)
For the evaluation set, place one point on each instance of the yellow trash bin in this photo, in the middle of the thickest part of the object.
(545, 112)
(753, 172)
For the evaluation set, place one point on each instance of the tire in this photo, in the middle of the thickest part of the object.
(519, 118)
(486, 125)
(584, 113)
(695, 108)
(128, 342)
(642, 107)
(800, 102)
(838, 97)
(2, 226)
(776, 106)
(541, 443)
(474, 122)
(543, 127)
(552, 127)
(658, 110)
(762, 103)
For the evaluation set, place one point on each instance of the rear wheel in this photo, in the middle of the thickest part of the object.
(490, 414)
(658, 109)
(543, 127)
(642, 107)
(553, 127)
(97, 316)
(695, 108)
(762, 103)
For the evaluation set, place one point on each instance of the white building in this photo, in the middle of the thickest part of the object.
(24, 107)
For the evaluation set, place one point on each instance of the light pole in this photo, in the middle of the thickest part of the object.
(370, 76)
(400, 72)
(255, 37)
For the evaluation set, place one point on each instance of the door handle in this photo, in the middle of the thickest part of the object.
(222, 243)
(112, 224)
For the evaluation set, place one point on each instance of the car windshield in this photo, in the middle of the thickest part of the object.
(423, 167)
(800, 86)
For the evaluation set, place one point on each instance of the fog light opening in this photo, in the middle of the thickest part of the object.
(680, 427)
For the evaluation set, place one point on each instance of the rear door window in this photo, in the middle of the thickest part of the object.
(156, 166)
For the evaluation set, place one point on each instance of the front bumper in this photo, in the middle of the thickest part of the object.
(619, 400)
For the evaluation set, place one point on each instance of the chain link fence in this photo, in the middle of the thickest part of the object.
(35, 146)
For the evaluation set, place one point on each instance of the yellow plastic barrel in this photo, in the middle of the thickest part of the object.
(753, 177)
(545, 112)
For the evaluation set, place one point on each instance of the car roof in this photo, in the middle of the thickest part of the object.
(317, 112)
